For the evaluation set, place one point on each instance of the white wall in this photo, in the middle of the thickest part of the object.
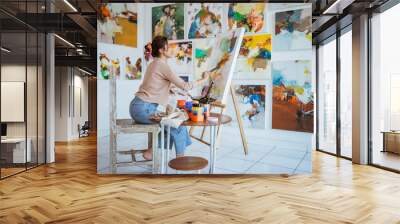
(68, 82)
(126, 89)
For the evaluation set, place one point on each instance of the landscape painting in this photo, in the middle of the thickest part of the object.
(251, 99)
(247, 15)
(292, 96)
(254, 57)
(117, 24)
(168, 20)
(293, 30)
(221, 64)
(205, 19)
(181, 61)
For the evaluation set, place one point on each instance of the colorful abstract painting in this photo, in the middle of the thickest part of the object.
(133, 69)
(118, 61)
(181, 61)
(292, 96)
(247, 15)
(204, 19)
(293, 30)
(109, 67)
(117, 24)
(168, 20)
(254, 56)
(221, 63)
(202, 53)
(251, 99)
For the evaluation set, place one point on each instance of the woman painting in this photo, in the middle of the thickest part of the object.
(154, 91)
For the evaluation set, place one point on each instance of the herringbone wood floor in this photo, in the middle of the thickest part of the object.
(70, 191)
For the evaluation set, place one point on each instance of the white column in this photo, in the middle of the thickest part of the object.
(360, 90)
(50, 100)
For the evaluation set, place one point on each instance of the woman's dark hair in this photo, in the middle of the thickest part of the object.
(158, 43)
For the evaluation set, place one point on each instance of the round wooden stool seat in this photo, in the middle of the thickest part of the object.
(187, 163)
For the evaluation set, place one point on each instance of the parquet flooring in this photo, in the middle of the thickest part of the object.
(70, 191)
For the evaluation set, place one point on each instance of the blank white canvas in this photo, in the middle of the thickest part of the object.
(12, 101)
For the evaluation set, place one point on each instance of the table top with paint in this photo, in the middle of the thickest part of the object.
(222, 119)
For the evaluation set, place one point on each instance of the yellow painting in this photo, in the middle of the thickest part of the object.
(117, 24)
(255, 55)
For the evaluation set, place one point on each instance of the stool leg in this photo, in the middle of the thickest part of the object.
(162, 150)
(167, 151)
(212, 149)
(154, 147)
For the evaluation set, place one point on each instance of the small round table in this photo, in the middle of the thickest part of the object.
(222, 119)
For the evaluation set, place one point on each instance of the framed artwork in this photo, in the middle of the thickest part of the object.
(247, 15)
(109, 67)
(117, 24)
(293, 30)
(254, 57)
(133, 68)
(251, 100)
(292, 96)
(168, 20)
(119, 61)
(181, 61)
(205, 19)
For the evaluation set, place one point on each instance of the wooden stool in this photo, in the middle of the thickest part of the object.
(128, 126)
(188, 163)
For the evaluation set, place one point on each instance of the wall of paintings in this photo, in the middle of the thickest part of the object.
(272, 79)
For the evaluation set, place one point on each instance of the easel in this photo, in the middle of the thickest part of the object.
(222, 108)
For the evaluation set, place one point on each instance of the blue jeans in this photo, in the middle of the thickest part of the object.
(141, 111)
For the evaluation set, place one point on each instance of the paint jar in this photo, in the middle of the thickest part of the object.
(197, 116)
(206, 109)
(188, 106)
(181, 104)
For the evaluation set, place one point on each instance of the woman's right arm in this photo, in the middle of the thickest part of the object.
(180, 83)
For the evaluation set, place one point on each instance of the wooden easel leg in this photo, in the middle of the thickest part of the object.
(239, 120)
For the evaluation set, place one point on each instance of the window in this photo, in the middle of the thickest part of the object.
(22, 77)
(385, 89)
(346, 94)
(327, 97)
